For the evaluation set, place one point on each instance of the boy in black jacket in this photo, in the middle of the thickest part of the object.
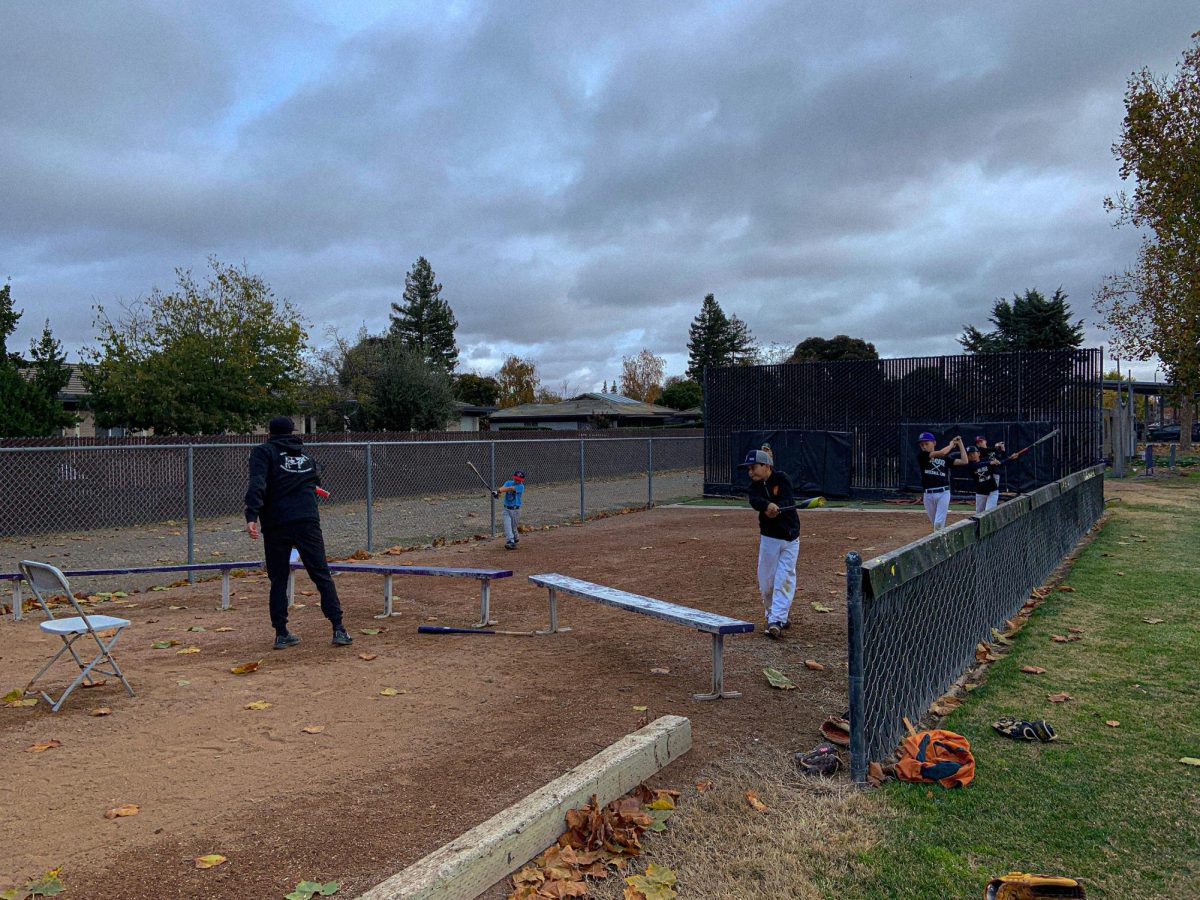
(779, 538)
(282, 494)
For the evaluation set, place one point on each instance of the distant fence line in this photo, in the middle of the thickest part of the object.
(916, 615)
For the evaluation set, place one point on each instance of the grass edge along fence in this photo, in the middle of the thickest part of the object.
(916, 615)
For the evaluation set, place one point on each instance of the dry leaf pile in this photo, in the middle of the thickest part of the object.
(598, 842)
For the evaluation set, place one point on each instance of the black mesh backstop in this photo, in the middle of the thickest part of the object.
(872, 399)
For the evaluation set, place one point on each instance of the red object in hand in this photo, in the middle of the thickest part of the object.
(321, 492)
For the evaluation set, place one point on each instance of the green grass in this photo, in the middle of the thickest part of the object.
(1111, 806)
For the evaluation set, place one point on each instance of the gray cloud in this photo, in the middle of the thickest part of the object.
(579, 175)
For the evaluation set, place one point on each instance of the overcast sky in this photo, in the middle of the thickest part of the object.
(579, 174)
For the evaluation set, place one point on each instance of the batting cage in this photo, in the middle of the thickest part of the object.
(849, 427)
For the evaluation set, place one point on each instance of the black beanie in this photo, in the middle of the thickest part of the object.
(281, 425)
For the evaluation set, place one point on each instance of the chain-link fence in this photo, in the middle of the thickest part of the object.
(871, 399)
(917, 614)
(113, 506)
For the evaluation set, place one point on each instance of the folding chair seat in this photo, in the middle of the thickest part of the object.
(46, 582)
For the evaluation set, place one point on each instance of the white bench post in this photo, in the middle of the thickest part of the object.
(291, 590)
(553, 629)
(718, 691)
(387, 597)
(225, 588)
(18, 601)
(485, 605)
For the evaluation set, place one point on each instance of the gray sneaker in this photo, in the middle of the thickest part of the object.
(773, 629)
(285, 640)
(341, 639)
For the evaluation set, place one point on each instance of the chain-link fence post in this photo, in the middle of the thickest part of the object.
(191, 511)
(649, 473)
(854, 627)
(370, 503)
(582, 506)
(492, 482)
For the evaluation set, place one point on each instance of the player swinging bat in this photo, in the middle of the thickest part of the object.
(487, 487)
(1040, 440)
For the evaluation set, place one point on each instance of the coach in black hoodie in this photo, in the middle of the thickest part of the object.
(282, 496)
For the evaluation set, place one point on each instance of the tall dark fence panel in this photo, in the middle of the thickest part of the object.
(872, 399)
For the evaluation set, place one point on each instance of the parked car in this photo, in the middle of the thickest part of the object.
(1169, 434)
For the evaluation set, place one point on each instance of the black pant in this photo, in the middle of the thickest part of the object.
(305, 536)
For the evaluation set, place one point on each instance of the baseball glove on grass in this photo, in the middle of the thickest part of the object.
(1039, 730)
(1020, 886)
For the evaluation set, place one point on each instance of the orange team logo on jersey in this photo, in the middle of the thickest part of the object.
(775, 491)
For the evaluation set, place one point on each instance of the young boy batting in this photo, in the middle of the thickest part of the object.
(984, 465)
(514, 492)
(779, 538)
(935, 476)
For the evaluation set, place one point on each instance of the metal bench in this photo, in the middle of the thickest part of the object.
(710, 623)
(483, 576)
(225, 568)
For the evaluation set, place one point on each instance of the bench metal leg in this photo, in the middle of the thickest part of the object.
(291, 589)
(225, 589)
(718, 673)
(485, 605)
(553, 629)
(387, 598)
(18, 601)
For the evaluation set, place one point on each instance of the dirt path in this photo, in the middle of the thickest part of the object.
(478, 723)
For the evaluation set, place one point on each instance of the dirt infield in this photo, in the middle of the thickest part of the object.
(476, 724)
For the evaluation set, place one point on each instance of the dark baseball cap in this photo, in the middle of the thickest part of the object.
(281, 425)
(519, 475)
(980, 437)
(973, 449)
(926, 436)
(757, 457)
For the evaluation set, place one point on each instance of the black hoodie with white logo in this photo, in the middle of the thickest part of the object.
(282, 482)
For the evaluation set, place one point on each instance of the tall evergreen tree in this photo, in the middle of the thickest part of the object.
(1030, 322)
(424, 321)
(29, 404)
(715, 339)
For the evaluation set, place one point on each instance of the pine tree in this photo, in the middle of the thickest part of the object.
(717, 340)
(29, 404)
(423, 321)
(1030, 322)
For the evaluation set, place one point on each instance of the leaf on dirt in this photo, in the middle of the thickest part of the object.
(368, 656)
(14, 694)
(660, 671)
(1066, 589)
(306, 890)
(246, 668)
(777, 679)
(160, 587)
(820, 607)
(197, 628)
(369, 630)
(662, 801)
(17, 704)
(258, 704)
(703, 786)
(389, 692)
(43, 746)
(814, 665)
(1190, 761)
(1060, 697)
(1113, 723)
(640, 708)
(225, 628)
(121, 812)
(189, 650)
(1033, 670)
(313, 729)
(657, 884)
(183, 682)
(101, 711)
(176, 607)
(943, 706)
(1149, 620)
(752, 799)
(209, 861)
(164, 645)
(48, 885)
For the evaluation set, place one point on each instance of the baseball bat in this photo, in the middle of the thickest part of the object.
(810, 503)
(1040, 440)
(443, 629)
(487, 487)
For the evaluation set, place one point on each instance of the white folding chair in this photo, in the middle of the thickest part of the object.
(46, 581)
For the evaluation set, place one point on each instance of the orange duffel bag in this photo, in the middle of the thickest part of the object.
(936, 756)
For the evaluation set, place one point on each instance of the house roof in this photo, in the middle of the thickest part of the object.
(471, 409)
(74, 389)
(584, 406)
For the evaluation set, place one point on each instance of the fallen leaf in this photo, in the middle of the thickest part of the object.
(209, 861)
(389, 692)
(1059, 638)
(1033, 670)
(197, 628)
(183, 683)
(819, 607)
(1112, 723)
(99, 682)
(1152, 621)
(704, 786)
(43, 746)
(14, 694)
(1058, 698)
(164, 645)
(875, 774)
(640, 708)
(657, 884)
(1122, 574)
(189, 650)
(660, 671)
(945, 705)
(121, 812)
(368, 656)
(662, 801)
(752, 799)
(225, 628)
(176, 607)
(369, 630)
(1066, 589)
(777, 679)
(972, 686)
(1074, 630)
(27, 701)
(246, 668)
(1190, 761)
(313, 729)
(101, 711)
(258, 704)
(814, 665)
